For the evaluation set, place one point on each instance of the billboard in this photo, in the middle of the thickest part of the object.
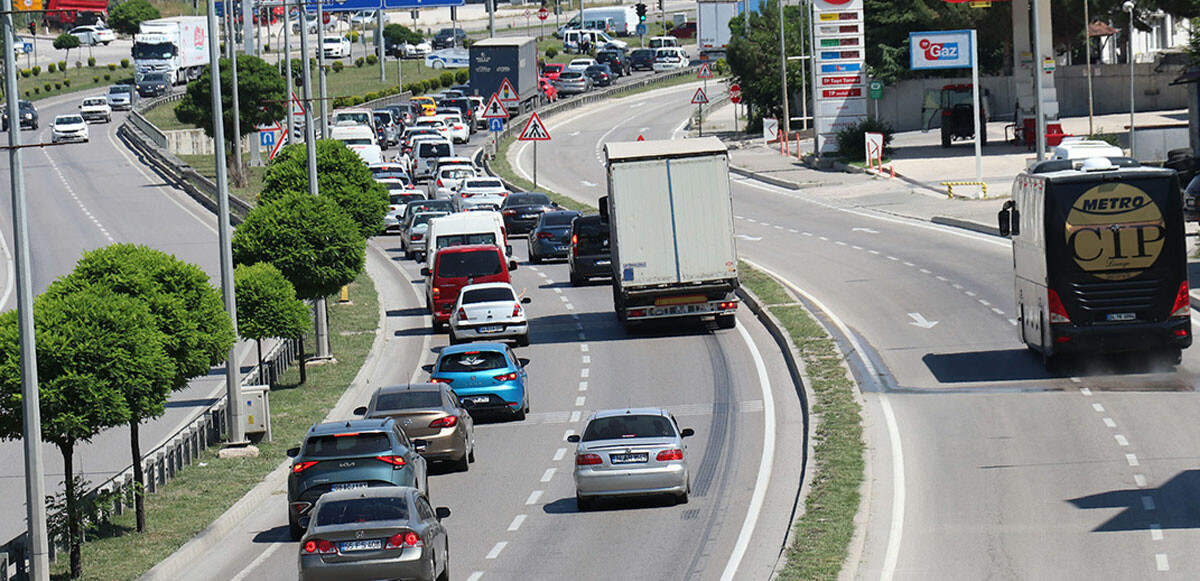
(947, 49)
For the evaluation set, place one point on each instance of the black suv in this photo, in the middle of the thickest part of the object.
(617, 61)
(642, 59)
(590, 255)
(27, 113)
(449, 38)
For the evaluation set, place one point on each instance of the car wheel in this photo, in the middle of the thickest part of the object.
(576, 280)
(523, 340)
(584, 503)
(409, 255)
(439, 65)
(445, 576)
(535, 259)
(681, 498)
(463, 464)
(471, 454)
(453, 338)
(107, 43)
(726, 321)
(520, 414)
(294, 529)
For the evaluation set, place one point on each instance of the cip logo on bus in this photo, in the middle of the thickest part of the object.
(1115, 231)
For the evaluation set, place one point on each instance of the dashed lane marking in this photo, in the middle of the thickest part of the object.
(516, 523)
(559, 454)
(548, 474)
(1139, 480)
(533, 497)
(1132, 459)
(1110, 423)
(1156, 532)
(1121, 441)
(495, 552)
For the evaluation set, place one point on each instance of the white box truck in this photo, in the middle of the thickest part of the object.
(712, 26)
(670, 219)
(175, 46)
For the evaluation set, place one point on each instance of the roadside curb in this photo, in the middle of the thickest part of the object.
(966, 225)
(779, 182)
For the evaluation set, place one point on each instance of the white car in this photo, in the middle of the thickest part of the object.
(436, 123)
(336, 47)
(579, 65)
(448, 179)
(460, 132)
(670, 59)
(489, 311)
(448, 58)
(480, 190)
(412, 51)
(363, 18)
(95, 109)
(311, 23)
(70, 127)
(120, 96)
(93, 35)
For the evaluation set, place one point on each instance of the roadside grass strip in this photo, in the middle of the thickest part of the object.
(821, 535)
(203, 491)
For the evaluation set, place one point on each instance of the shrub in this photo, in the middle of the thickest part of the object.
(96, 79)
(91, 61)
(551, 52)
(372, 60)
(337, 66)
(37, 70)
(416, 89)
(25, 73)
(78, 65)
(462, 77)
(26, 94)
(51, 68)
(358, 62)
(112, 66)
(57, 87)
(266, 47)
(353, 36)
(124, 63)
(851, 141)
(66, 82)
(62, 66)
(107, 77)
(371, 96)
(36, 90)
(447, 79)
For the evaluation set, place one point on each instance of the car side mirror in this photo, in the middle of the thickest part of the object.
(523, 361)
(360, 410)
(1010, 219)
(425, 271)
(526, 300)
(420, 445)
(573, 438)
(512, 265)
(686, 432)
(442, 512)
(508, 249)
(293, 452)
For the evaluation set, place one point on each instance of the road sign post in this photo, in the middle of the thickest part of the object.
(542, 15)
(699, 99)
(735, 97)
(534, 131)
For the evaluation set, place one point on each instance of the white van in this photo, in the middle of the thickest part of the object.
(1079, 148)
(596, 40)
(426, 154)
(624, 19)
(360, 139)
(463, 228)
(663, 42)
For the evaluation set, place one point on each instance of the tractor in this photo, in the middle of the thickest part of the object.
(958, 112)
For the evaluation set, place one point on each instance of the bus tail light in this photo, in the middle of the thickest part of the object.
(1183, 302)
(1058, 313)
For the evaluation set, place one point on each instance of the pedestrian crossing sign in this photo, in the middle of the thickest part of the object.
(534, 130)
(507, 93)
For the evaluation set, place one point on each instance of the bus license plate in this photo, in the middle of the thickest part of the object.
(1121, 316)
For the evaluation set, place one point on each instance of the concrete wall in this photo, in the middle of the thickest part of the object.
(901, 103)
(194, 142)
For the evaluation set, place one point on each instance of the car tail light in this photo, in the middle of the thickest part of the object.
(301, 507)
(299, 467)
(466, 195)
(1183, 302)
(439, 182)
(587, 459)
(509, 212)
(516, 310)
(545, 235)
(507, 377)
(1181, 332)
(446, 422)
(401, 540)
(441, 380)
(437, 293)
(416, 237)
(397, 462)
(319, 546)
(1058, 313)
(462, 314)
(668, 455)
(727, 305)
(574, 245)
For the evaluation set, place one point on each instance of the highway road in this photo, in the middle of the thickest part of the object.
(981, 464)
(85, 196)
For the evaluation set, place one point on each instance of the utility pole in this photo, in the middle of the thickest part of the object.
(247, 26)
(321, 320)
(233, 388)
(1038, 73)
(491, 6)
(787, 120)
(287, 62)
(324, 105)
(35, 485)
(237, 125)
(379, 45)
(1087, 39)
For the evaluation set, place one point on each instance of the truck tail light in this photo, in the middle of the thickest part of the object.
(1183, 302)
(1058, 313)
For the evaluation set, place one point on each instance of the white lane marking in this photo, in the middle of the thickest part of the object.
(1160, 560)
(559, 454)
(516, 522)
(1121, 441)
(909, 264)
(548, 474)
(793, 230)
(476, 576)
(262, 557)
(587, 358)
(857, 247)
(925, 271)
(1148, 502)
(957, 286)
(896, 531)
(569, 307)
(1110, 423)
(765, 464)
(893, 258)
(577, 133)
(941, 278)
(495, 552)
(969, 293)
(575, 416)
(1139, 480)
(1131, 459)
(584, 372)
(579, 401)
(533, 268)
(984, 303)
(562, 298)
(809, 234)
(998, 311)
(583, 347)
(533, 497)
(583, 386)
(1098, 407)
(823, 239)
(587, 183)
(839, 242)
(1156, 532)
(557, 290)
(542, 274)
(1013, 321)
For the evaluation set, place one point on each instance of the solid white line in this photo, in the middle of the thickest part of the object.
(476, 576)
(559, 453)
(764, 465)
(495, 552)
(1156, 532)
(244, 573)
(896, 531)
(533, 497)
(516, 523)
(548, 474)
(1161, 561)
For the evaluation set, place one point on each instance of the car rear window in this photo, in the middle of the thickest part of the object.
(449, 240)
(487, 295)
(457, 173)
(557, 219)
(628, 426)
(464, 264)
(472, 361)
(407, 400)
(642, 52)
(356, 510)
(350, 444)
(399, 199)
(425, 217)
(485, 184)
(528, 200)
(592, 236)
(434, 150)
(431, 205)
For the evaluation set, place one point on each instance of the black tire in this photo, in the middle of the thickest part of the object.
(945, 136)
(726, 321)
(520, 414)
(471, 454)
(681, 498)
(463, 464)
(534, 259)
(445, 576)
(982, 134)
(523, 340)
(577, 281)
(584, 503)
(294, 529)
(453, 338)
(408, 255)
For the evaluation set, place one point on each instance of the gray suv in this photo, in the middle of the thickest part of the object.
(348, 455)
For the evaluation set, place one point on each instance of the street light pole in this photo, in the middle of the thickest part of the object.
(321, 71)
(787, 118)
(1038, 73)
(379, 45)
(1128, 6)
(35, 485)
(320, 315)
(1087, 39)
(287, 62)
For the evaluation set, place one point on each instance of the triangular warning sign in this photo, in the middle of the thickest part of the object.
(705, 72)
(640, 138)
(534, 130)
(699, 98)
(507, 93)
(494, 109)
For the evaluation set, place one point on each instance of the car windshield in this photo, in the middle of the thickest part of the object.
(91, 102)
(425, 217)
(333, 40)
(487, 295)
(469, 361)
(552, 68)
(356, 510)
(143, 51)
(528, 200)
(119, 90)
(558, 219)
(68, 120)
(363, 141)
(628, 426)
(465, 264)
(382, 118)
(427, 205)
(153, 77)
(350, 444)
(406, 400)
(484, 184)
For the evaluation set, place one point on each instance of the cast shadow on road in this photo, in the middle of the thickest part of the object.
(1024, 365)
(274, 535)
(604, 326)
(1176, 504)
(409, 312)
(188, 403)
(568, 505)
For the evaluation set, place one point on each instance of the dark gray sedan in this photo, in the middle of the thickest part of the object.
(551, 236)
(389, 532)
(153, 85)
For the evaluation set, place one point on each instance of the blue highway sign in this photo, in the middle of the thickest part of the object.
(641, 29)
(496, 125)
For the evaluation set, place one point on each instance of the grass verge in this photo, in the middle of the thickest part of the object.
(47, 84)
(206, 166)
(203, 491)
(822, 535)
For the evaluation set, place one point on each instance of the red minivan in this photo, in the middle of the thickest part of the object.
(457, 266)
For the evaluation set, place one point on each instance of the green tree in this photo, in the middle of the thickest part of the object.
(66, 42)
(316, 245)
(397, 33)
(341, 176)
(753, 56)
(128, 16)
(187, 311)
(267, 305)
(92, 343)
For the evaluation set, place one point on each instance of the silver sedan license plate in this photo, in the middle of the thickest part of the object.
(636, 458)
(364, 545)
(348, 485)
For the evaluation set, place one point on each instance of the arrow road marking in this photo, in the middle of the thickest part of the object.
(574, 134)
(867, 230)
(587, 183)
(919, 320)
(751, 238)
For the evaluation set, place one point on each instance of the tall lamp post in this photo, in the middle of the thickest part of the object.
(1128, 6)
(1087, 52)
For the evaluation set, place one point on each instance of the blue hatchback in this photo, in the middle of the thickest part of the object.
(488, 377)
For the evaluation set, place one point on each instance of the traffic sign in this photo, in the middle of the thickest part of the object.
(495, 125)
(543, 14)
(266, 138)
(705, 72)
(640, 138)
(534, 130)
(27, 47)
(735, 94)
(507, 93)
(700, 98)
(494, 109)
(641, 29)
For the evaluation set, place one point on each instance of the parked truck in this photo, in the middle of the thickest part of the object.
(71, 13)
(670, 217)
(177, 47)
(712, 26)
(512, 58)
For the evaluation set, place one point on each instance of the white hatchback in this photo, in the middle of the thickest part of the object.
(670, 59)
(448, 178)
(489, 312)
(580, 65)
(437, 123)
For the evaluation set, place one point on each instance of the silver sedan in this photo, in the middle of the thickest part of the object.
(631, 452)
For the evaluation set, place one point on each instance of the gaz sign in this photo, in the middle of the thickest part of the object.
(949, 49)
(1114, 231)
